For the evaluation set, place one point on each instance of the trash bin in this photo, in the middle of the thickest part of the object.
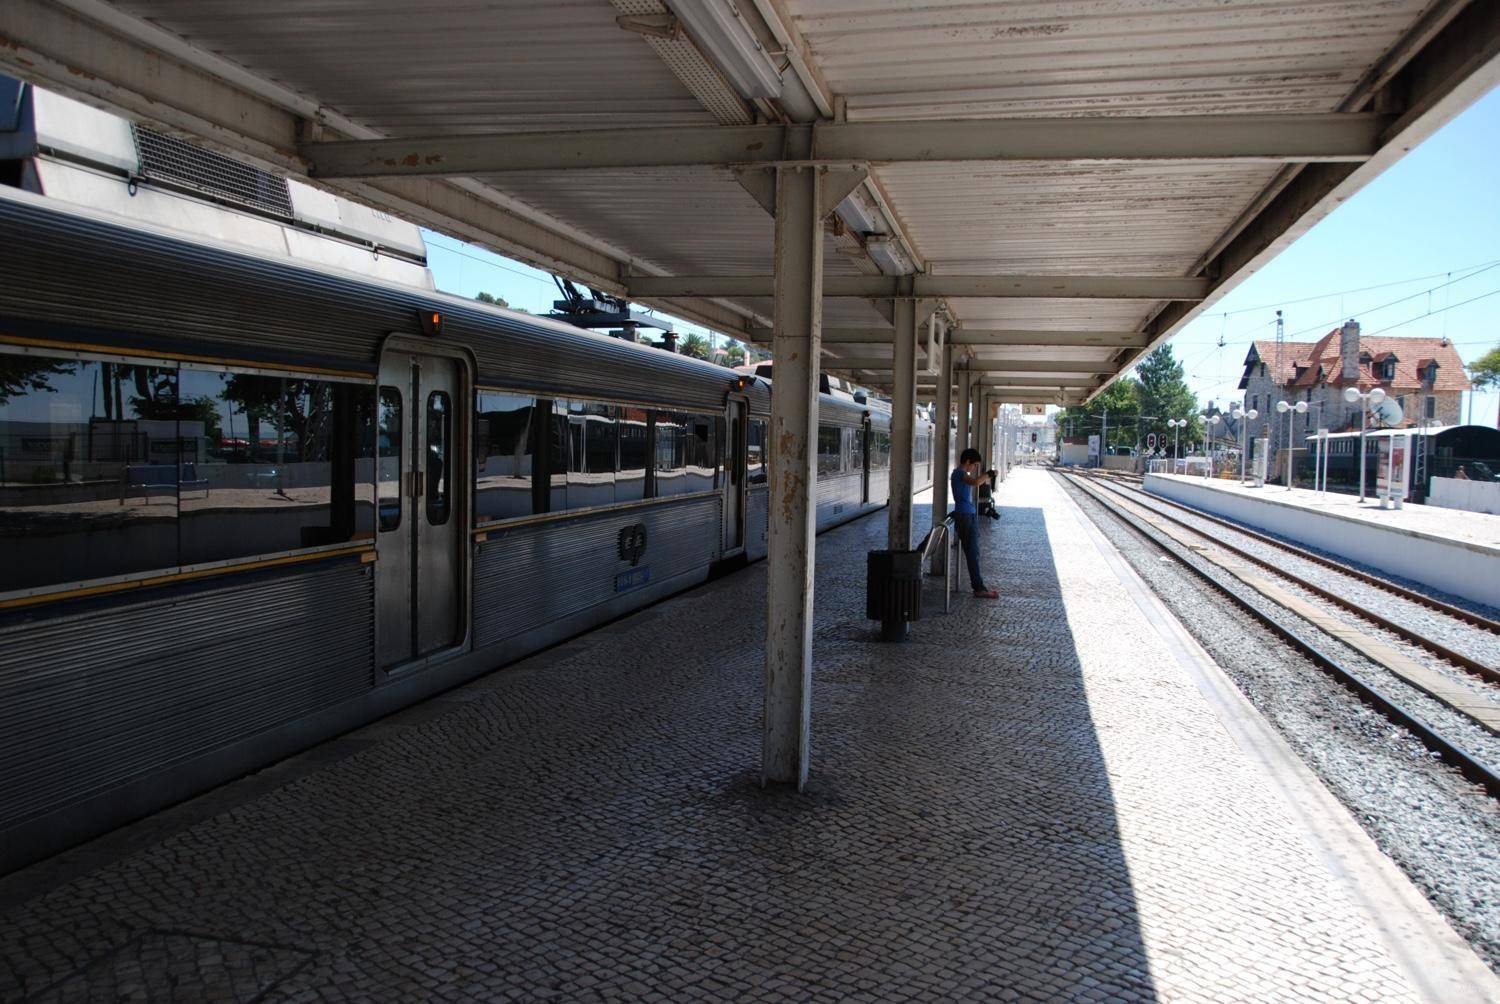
(893, 591)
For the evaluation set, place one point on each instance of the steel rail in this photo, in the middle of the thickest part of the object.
(1485, 672)
(1467, 764)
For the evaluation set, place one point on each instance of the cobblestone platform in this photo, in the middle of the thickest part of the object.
(1034, 799)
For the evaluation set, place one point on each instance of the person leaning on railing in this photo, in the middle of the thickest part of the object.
(965, 478)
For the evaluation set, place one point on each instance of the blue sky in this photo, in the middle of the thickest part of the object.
(1425, 234)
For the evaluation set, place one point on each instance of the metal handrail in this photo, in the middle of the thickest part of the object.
(943, 532)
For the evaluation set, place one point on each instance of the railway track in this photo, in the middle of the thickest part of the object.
(1238, 573)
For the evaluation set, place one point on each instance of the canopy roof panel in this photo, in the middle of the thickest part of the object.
(992, 134)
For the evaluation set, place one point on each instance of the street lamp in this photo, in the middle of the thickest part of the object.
(1244, 418)
(1209, 421)
(1366, 401)
(1290, 410)
(1176, 425)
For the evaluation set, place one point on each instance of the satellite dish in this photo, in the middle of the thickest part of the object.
(1387, 413)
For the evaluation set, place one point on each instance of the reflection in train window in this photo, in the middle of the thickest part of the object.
(391, 432)
(855, 439)
(438, 460)
(755, 452)
(88, 469)
(880, 450)
(687, 453)
(504, 455)
(260, 456)
(630, 482)
(109, 467)
(591, 445)
(829, 461)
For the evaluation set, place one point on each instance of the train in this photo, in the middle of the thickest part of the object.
(249, 502)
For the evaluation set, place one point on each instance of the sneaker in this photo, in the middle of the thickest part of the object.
(986, 594)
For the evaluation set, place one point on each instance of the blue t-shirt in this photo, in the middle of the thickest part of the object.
(963, 493)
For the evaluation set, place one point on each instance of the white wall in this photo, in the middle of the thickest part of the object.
(1453, 566)
(1473, 496)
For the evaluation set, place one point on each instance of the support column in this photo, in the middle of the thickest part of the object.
(903, 408)
(941, 468)
(961, 434)
(985, 434)
(796, 347)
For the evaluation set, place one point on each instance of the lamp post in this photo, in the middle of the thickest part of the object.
(1209, 421)
(1365, 401)
(1176, 424)
(1290, 411)
(1244, 418)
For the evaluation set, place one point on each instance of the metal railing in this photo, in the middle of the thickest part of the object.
(942, 540)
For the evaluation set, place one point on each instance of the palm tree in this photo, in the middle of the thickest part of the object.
(1484, 373)
(695, 345)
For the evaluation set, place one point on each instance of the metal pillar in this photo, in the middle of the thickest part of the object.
(941, 469)
(903, 408)
(796, 348)
(961, 434)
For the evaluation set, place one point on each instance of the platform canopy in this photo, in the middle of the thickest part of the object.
(1065, 183)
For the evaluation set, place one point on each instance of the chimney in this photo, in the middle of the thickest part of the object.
(1349, 351)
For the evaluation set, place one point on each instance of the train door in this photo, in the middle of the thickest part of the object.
(422, 503)
(734, 489)
(864, 477)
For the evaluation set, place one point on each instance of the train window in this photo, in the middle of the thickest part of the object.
(630, 482)
(829, 461)
(855, 440)
(558, 458)
(504, 455)
(109, 468)
(687, 453)
(668, 464)
(592, 442)
(755, 452)
(439, 480)
(88, 469)
(389, 435)
(880, 450)
(272, 463)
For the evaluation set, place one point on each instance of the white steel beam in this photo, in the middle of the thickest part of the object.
(975, 365)
(792, 518)
(1002, 336)
(903, 406)
(882, 287)
(965, 401)
(1061, 383)
(980, 336)
(941, 443)
(1275, 139)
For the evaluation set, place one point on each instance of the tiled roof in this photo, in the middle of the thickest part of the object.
(1411, 354)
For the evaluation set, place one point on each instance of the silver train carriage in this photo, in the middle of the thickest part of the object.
(249, 504)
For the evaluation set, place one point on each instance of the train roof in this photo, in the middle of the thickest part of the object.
(92, 270)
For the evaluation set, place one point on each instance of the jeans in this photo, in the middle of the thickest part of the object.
(968, 535)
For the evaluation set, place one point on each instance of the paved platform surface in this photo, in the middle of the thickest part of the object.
(1032, 800)
(1474, 528)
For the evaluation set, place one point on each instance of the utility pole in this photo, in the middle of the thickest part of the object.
(1104, 438)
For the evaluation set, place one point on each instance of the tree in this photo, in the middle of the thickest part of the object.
(695, 345)
(734, 354)
(1121, 400)
(498, 301)
(1164, 394)
(1485, 373)
(22, 375)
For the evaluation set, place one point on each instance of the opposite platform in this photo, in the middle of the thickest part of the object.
(1046, 797)
(1447, 549)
